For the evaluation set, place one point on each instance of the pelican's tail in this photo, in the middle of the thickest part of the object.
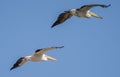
(95, 15)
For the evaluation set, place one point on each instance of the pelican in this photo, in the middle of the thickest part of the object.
(82, 12)
(36, 57)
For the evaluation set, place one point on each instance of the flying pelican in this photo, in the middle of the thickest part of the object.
(82, 12)
(36, 57)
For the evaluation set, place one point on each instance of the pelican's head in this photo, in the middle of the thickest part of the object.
(73, 11)
(28, 58)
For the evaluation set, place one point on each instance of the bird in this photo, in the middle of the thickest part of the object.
(82, 12)
(37, 56)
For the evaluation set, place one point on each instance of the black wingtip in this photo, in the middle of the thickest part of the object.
(108, 5)
(60, 47)
(17, 63)
(53, 25)
(11, 68)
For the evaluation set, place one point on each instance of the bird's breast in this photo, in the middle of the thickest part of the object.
(37, 58)
(80, 14)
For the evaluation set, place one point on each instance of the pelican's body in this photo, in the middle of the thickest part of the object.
(36, 57)
(82, 12)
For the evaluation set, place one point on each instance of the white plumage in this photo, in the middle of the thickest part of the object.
(82, 12)
(36, 57)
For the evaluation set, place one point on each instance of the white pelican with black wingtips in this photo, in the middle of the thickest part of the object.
(82, 12)
(36, 57)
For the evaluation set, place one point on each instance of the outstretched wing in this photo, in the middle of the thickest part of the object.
(18, 63)
(62, 18)
(43, 50)
(87, 7)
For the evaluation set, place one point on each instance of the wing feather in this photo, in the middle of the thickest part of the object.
(18, 63)
(62, 18)
(87, 7)
(43, 50)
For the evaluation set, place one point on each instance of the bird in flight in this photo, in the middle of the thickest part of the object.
(82, 12)
(36, 57)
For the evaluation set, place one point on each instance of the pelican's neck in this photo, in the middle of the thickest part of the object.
(88, 14)
(28, 58)
(44, 58)
(73, 11)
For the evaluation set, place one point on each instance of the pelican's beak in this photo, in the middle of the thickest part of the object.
(95, 15)
(51, 58)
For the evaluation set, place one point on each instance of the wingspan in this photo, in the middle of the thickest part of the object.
(87, 7)
(43, 50)
(18, 63)
(62, 18)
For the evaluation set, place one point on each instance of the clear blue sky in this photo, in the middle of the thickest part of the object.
(92, 46)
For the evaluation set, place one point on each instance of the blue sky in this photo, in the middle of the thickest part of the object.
(92, 46)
